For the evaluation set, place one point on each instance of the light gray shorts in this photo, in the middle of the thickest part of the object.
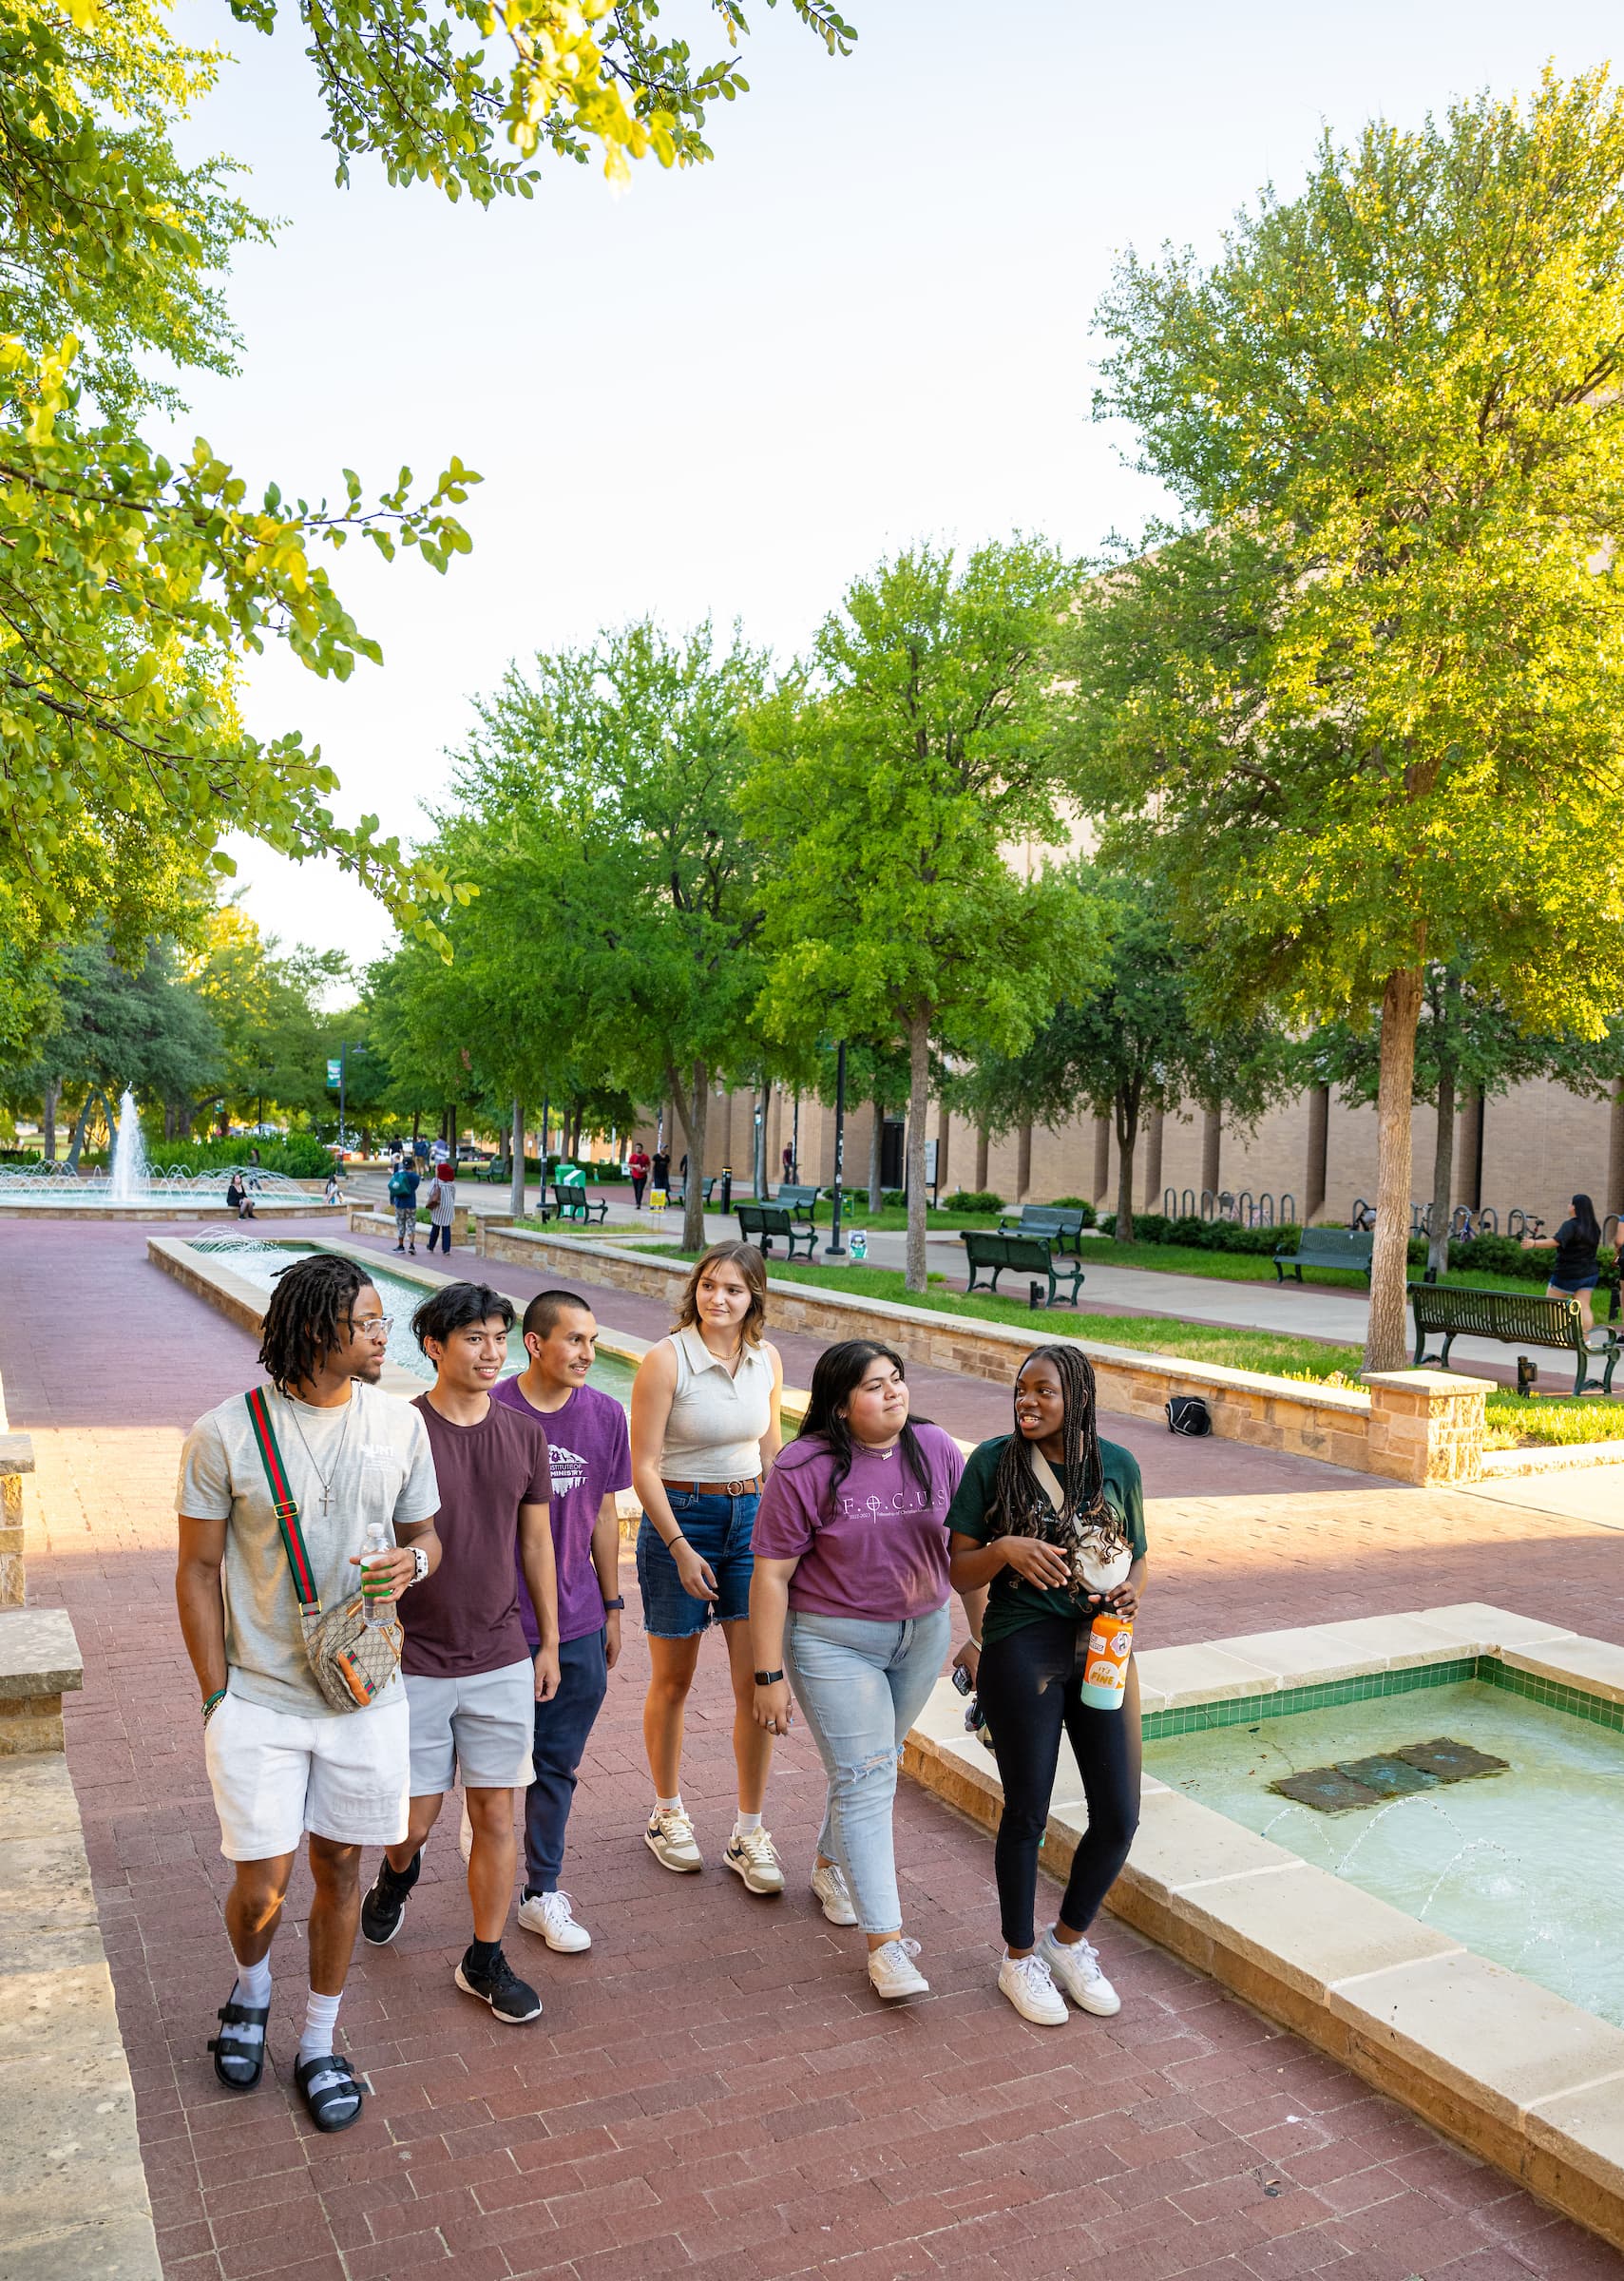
(483, 1726)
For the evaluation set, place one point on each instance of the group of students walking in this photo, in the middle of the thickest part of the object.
(829, 1566)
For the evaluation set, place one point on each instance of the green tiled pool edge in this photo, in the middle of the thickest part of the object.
(1327, 1694)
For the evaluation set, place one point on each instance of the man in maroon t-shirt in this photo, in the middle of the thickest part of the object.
(471, 1685)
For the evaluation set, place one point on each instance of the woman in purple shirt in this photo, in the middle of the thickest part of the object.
(848, 1606)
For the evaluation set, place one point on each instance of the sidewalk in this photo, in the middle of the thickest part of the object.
(712, 2092)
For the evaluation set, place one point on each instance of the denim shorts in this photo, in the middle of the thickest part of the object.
(719, 1530)
(1572, 1285)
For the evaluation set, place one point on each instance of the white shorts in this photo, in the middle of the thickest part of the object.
(482, 1725)
(277, 1775)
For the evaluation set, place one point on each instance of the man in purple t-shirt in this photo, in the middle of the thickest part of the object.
(589, 1457)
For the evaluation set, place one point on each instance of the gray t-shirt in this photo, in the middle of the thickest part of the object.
(375, 1453)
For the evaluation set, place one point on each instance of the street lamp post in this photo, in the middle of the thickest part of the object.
(835, 1249)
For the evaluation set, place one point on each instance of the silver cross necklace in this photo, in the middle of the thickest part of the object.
(326, 1479)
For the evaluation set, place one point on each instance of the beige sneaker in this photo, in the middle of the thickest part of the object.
(670, 1838)
(834, 1893)
(752, 1855)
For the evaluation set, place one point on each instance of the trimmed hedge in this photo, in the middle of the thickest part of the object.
(972, 1199)
(301, 1156)
(1486, 1255)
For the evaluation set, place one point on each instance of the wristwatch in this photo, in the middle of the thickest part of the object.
(619, 1601)
(420, 1564)
(768, 1679)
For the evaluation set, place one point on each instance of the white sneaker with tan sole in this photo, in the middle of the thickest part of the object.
(1025, 1980)
(670, 1838)
(834, 1893)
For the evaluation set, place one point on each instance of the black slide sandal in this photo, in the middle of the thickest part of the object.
(321, 2102)
(229, 2049)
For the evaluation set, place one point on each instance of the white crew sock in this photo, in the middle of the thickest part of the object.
(320, 2026)
(745, 1823)
(669, 1805)
(253, 1985)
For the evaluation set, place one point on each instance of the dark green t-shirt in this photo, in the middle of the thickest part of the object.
(1012, 1602)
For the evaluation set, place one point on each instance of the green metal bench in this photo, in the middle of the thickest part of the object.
(1454, 1310)
(1327, 1247)
(760, 1223)
(678, 1197)
(1061, 1223)
(1023, 1254)
(574, 1203)
(800, 1202)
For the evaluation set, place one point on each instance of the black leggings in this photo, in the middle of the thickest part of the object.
(1027, 1685)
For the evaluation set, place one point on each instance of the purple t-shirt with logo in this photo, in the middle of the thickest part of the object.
(589, 1453)
(881, 1555)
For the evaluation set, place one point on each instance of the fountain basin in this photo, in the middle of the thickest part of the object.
(97, 1204)
(1517, 2072)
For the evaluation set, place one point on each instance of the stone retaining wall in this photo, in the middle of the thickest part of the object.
(1416, 1426)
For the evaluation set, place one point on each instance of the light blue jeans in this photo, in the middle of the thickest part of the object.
(860, 1687)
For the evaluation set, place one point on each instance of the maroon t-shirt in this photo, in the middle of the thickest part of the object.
(465, 1618)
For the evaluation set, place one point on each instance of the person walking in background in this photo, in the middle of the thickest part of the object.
(284, 1764)
(473, 1682)
(789, 1161)
(1052, 1518)
(403, 1196)
(637, 1167)
(1573, 1272)
(442, 1202)
(704, 1428)
(849, 1607)
(662, 1170)
(590, 1458)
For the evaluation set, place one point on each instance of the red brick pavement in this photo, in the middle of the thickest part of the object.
(712, 2091)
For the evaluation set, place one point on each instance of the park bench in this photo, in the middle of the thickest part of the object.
(680, 1196)
(1327, 1247)
(1061, 1224)
(573, 1201)
(760, 1223)
(1024, 1255)
(800, 1204)
(1455, 1311)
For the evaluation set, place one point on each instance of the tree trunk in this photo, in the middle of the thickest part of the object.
(1212, 1150)
(516, 1191)
(1101, 1161)
(416, 1128)
(1442, 1174)
(76, 1142)
(692, 1113)
(1386, 1345)
(1155, 1133)
(1023, 1163)
(980, 1155)
(1319, 1153)
(48, 1134)
(876, 1157)
(918, 1106)
(1126, 1110)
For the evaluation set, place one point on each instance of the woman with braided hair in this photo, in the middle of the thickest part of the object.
(1051, 1518)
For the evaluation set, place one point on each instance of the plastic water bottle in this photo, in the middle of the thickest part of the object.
(377, 1540)
(1105, 1665)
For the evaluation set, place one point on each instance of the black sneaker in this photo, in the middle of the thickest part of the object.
(510, 1997)
(385, 1906)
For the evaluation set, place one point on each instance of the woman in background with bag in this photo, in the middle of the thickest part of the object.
(1051, 1518)
(442, 1203)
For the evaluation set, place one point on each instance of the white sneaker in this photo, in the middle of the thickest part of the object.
(893, 1972)
(834, 1894)
(1074, 1965)
(670, 1838)
(1025, 1980)
(551, 1916)
(752, 1855)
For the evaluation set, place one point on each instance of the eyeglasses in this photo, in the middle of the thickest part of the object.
(373, 1326)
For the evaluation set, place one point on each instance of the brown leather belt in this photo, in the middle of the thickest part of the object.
(716, 1489)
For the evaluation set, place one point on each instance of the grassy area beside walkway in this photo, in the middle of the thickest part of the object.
(1512, 1421)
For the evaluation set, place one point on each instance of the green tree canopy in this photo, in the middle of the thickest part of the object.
(888, 787)
(1361, 709)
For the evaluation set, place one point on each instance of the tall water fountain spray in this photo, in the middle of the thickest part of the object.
(130, 1180)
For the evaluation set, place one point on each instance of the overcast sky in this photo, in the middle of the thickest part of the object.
(726, 391)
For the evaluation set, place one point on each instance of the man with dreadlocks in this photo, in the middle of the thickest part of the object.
(278, 1487)
(1052, 1518)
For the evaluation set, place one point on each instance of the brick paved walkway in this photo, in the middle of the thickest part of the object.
(712, 2092)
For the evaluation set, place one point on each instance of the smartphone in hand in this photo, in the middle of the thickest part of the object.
(962, 1679)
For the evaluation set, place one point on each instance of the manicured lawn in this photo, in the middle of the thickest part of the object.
(1547, 1419)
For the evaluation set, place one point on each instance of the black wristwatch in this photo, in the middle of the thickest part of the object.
(768, 1679)
(619, 1601)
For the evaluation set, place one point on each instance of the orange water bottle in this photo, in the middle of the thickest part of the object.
(1105, 1664)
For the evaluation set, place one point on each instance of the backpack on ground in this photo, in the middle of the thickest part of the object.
(1188, 1413)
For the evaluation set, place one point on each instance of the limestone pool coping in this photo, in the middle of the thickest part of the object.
(266, 1208)
(1522, 2077)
